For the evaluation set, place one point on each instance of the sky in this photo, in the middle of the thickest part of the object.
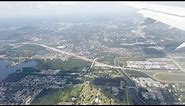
(20, 9)
(27, 8)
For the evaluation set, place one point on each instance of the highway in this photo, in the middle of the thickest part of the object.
(173, 60)
(70, 54)
(63, 52)
(177, 64)
(133, 90)
(131, 86)
(94, 62)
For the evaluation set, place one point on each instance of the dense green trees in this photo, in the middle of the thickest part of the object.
(69, 64)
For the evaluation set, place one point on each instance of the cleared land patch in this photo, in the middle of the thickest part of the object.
(170, 77)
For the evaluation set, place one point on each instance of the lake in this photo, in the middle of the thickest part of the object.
(5, 70)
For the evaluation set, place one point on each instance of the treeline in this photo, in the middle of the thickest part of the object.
(55, 64)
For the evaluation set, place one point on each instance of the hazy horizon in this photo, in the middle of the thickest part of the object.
(31, 9)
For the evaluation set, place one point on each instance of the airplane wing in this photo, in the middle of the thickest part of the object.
(173, 16)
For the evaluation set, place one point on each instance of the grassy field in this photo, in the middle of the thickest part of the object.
(133, 73)
(115, 73)
(108, 58)
(107, 61)
(107, 72)
(170, 77)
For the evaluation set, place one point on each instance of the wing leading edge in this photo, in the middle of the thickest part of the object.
(173, 16)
